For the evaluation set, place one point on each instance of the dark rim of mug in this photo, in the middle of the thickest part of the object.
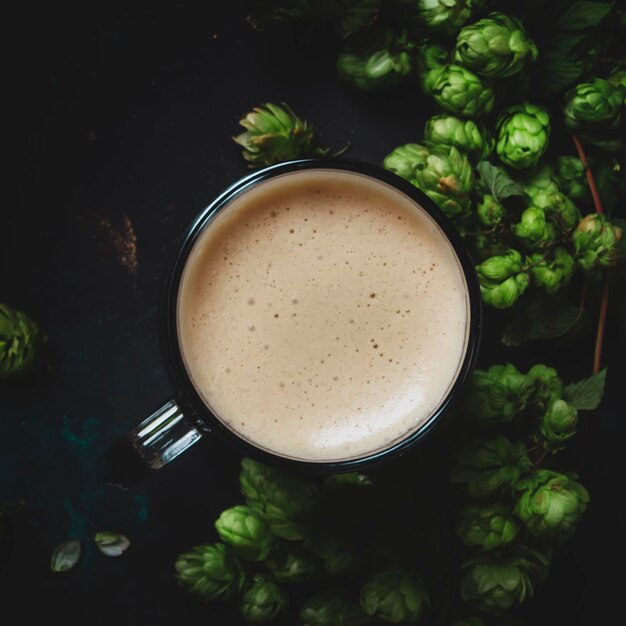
(191, 401)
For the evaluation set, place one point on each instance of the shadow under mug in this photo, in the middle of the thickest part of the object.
(183, 420)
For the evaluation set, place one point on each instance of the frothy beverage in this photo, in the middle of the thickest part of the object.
(323, 315)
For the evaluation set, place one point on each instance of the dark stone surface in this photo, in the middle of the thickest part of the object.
(129, 112)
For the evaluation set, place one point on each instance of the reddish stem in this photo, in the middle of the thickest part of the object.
(590, 179)
(604, 303)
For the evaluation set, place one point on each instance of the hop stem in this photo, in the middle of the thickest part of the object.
(604, 304)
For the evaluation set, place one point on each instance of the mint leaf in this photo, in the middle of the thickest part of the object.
(500, 184)
(583, 14)
(545, 318)
(586, 394)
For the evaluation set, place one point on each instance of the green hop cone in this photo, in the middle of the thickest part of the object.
(337, 557)
(500, 581)
(282, 500)
(560, 211)
(394, 596)
(498, 394)
(496, 46)
(293, 565)
(547, 385)
(572, 178)
(375, 59)
(489, 211)
(244, 529)
(523, 131)
(444, 16)
(467, 136)
(596, 242)
(490, 467)
(210, 572)
(275, 133)
(446, 177)
(431, 59)
(558, 424)
(534, 230)
(20, 341)
(461, 92)
(487, 526)
(263, 601)
(552, 272)
(502, 280)
(550, 504)
(328, 608)
(406, 159)
(593, 105)
(540, 179)
(487, 245)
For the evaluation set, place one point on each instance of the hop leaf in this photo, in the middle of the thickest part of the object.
(490, 467)
(558, 424)
(244, 529)
(467, 136)
(20, 340)
(553, 272)
(375, 59)
(263, 601)
(501, 581)
(210, 572)
(502, 280)
(487, 526)
(462, 92)
(596, 242)
(275, 133)
(282, 500)
(394, 596)
(523, 133)
(550, 504)
(594, 104)
(496, 46)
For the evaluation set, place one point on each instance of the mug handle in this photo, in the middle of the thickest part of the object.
(164, 435)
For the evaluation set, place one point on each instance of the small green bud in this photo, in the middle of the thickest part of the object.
(594, 104)
(496, 46)
(505, 294)
(552, 272)
(394, 596)
(20, 341)
(534, 230)
(572, 178)
(489, 211)
(596, 242)
(487, 526)
(467, 136)
(375, 59)
(210, 572)
(501, 279)
(406, 159)
(490, 467)
(550, 504)
(523, 131)
(498, 394)
(461, 92)
(264, 601)
(558, 424)
(500, 581)
(244, 529)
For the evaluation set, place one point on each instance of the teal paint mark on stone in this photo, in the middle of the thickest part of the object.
(143, 513)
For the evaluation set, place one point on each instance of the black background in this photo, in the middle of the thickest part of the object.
(129, 111)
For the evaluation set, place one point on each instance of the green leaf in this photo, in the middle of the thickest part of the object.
(557, 73)
(500, 184)
(65, 555)
(583, 14)
(111, 544)
(355, 15)
(586, 395)
(544, 318)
